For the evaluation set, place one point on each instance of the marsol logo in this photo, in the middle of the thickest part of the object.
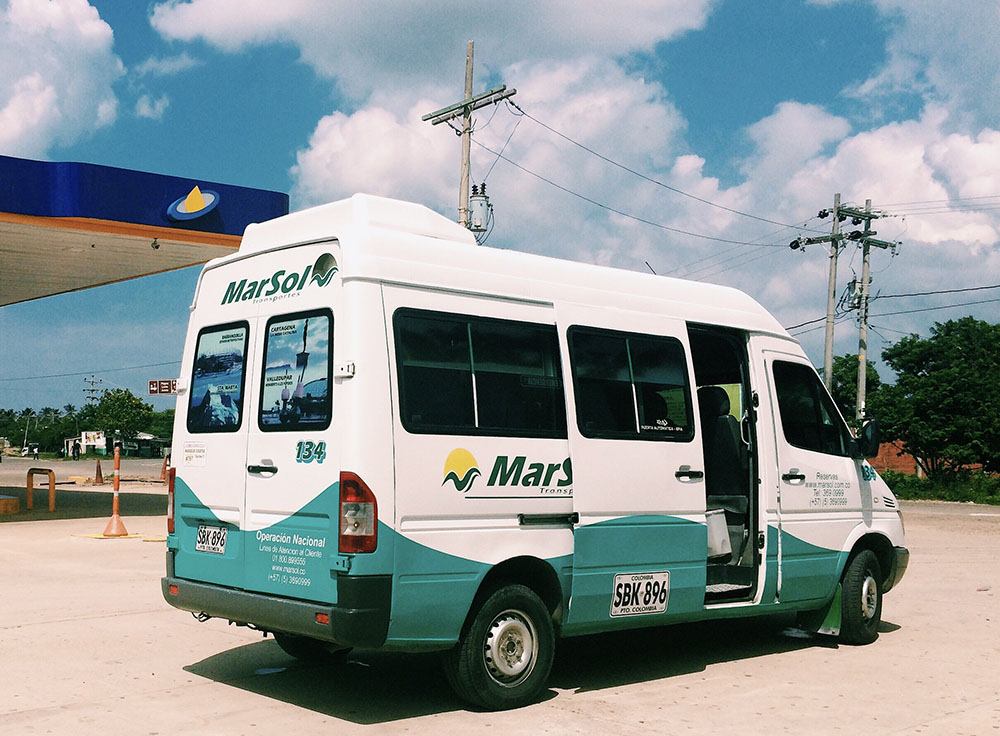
(462, 469)
(281, 281)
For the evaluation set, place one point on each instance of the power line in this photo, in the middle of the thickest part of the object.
(940, 291)
(904, 311)
(83, 373)
(931, 309)
(803, 324)
(938, 201)
(639, 174)
(944, 210)
(711, 256)
(613, 210)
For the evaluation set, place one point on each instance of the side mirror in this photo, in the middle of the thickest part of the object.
(869, 439)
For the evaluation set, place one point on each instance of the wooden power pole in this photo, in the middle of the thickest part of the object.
(464, 110)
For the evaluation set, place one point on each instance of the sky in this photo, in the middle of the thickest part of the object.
(695, 138)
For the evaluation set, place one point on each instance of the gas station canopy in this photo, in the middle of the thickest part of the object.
(69, 226)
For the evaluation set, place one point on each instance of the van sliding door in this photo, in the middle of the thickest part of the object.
(640, 544)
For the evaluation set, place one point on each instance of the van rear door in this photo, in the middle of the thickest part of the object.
(210, 442)
(292, 466)
(257, 493)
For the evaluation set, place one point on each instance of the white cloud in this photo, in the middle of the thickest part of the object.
(28, 115)
(944, 52)
(58, 71)
(147, 107)
(788, 138)
(166, 66)
(372, 151)
(398, 60)
(396, 44)
(378, 151)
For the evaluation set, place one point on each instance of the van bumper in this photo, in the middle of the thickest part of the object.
(900, 559)
(359, 619)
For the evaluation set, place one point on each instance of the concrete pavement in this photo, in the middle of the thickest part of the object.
(87, 643)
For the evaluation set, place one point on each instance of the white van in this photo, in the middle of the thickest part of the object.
(389, 437)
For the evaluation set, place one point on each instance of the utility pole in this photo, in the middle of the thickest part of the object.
(833, 239)
(92, 390)
(831, 294)
(463, 182)
(859, 413)
(866, 242)
(464, 110)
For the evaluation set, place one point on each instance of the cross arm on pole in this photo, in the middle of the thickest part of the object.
(495, 95)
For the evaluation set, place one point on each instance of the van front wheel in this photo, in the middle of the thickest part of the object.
(862, 599)
(504, 656)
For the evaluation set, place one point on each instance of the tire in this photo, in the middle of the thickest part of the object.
(310, 650)
(861, 607)
(505, 653)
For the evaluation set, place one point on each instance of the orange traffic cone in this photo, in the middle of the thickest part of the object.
(98, 475)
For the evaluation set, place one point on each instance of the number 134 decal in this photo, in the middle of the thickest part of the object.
(306, 452)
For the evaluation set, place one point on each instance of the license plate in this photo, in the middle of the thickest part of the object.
(211, 539)
(638, 594)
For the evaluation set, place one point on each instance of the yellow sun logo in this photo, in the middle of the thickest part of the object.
(461, 469)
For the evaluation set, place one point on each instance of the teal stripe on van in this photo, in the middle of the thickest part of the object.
(636, 544)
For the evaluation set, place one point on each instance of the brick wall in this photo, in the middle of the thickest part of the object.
(889, 459)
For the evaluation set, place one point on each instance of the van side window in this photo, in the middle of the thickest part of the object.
(808, 417)
(216, 402)
(472, 375)
(630, 386)
(295, 392)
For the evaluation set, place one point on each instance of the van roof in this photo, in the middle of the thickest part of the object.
(362, 211)
(391, 240)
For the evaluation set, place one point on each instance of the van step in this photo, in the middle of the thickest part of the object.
(725, 588)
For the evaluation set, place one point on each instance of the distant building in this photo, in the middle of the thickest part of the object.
(891, 457)
(142, 445)
(89, 442)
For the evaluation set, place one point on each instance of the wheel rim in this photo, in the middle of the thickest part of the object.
(869, 598)
(511, 648)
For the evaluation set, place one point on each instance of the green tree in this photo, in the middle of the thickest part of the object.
(161, 423)
(122, 412)
(845, 384)
(945, 404)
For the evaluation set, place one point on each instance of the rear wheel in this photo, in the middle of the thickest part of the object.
(861, 610)
(310, 650)
(504, 655)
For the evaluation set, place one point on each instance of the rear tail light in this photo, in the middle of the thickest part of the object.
(358, 515)
(171, 476)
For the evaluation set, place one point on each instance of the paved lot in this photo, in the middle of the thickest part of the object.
(88, 645)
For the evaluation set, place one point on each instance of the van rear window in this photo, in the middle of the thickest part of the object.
(216, 403)
(295, 394)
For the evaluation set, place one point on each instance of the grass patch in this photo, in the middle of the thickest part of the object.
(962, 487)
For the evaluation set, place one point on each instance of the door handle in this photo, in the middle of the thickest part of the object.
(684, 471)
(257, 469)
(793, 476)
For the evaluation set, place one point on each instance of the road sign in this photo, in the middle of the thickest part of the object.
(168, 386)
